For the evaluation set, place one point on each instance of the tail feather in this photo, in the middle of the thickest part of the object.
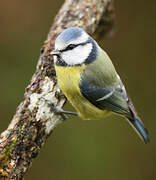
(140, 129)
(136, 122)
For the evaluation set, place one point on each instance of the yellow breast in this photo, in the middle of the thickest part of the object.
(68, 81)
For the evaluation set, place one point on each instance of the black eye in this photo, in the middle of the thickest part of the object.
(71, 46)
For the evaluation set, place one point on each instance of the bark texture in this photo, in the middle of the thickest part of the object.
(33, 121)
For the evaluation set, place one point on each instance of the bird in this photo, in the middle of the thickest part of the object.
(89, 80)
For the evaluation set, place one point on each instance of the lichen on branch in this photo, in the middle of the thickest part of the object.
(33, 121)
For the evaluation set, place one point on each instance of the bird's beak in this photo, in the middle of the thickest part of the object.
(55, 53)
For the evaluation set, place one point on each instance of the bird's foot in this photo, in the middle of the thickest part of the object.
(59, 110)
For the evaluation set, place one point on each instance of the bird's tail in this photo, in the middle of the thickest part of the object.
(136, 123)
(139, 128)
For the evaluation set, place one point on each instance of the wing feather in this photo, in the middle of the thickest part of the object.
(110, 98)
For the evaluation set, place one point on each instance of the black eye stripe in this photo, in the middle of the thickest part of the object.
(91, 58)
(72, 46)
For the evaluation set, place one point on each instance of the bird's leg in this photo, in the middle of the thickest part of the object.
(59, 110)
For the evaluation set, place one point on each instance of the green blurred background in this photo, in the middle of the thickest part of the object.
(87, 150)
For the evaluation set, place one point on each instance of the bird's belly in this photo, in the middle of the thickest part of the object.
(70, 87)
(83, 106)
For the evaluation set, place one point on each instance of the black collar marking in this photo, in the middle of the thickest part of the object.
(93, 54)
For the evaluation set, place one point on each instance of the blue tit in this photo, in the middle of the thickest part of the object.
(89, 80)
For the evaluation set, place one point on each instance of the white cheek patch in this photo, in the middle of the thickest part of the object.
(77, 55)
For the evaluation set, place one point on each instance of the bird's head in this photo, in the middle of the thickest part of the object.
(74, 47)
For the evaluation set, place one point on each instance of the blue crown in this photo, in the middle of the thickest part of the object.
(70, 34)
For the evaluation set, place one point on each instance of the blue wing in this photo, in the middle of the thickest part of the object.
(114, 99)
(110, 98)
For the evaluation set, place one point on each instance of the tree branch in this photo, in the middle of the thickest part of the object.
(33, 121)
